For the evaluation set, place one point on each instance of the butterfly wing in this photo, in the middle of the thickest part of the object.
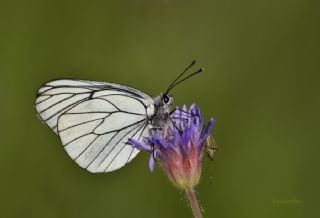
(94, 120)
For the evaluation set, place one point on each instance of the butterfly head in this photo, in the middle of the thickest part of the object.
(166, 99)
(163, 100)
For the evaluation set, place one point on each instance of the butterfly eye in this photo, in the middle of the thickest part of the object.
(165, 99)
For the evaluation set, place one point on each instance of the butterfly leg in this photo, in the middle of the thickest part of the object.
(175, 125)
(178, 109)
(183, 111)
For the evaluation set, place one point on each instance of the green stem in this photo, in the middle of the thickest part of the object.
(191, 195)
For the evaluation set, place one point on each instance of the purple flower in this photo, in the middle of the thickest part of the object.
(178, 147)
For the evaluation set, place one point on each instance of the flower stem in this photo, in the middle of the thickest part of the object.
(191, 195)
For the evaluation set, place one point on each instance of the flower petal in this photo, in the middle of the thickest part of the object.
(208, 128)
(177, 112)
(140, 145)
(205, 133)
(151, 162)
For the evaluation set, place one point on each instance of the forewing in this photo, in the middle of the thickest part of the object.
(94, 120)
(53, 99)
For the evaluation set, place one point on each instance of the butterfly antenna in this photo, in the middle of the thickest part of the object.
(191, 75)
(181, 74)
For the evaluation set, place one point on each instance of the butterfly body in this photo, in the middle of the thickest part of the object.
(161, 111)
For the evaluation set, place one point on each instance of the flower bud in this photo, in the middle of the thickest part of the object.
(178, 147)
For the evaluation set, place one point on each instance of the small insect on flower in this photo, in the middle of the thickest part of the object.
(211, 147)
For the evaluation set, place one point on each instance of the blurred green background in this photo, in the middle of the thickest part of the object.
(261, 83)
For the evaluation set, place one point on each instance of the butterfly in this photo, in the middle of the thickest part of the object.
(94, 120)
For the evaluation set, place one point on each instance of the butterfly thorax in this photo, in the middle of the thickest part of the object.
(161, 112)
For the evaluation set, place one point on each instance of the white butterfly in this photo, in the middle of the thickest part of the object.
(94, 120)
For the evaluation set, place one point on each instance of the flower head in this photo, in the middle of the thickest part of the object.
(178, 146)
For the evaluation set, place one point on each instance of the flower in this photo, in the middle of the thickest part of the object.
(178, 147)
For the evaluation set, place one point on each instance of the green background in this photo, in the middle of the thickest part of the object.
(261, 84)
